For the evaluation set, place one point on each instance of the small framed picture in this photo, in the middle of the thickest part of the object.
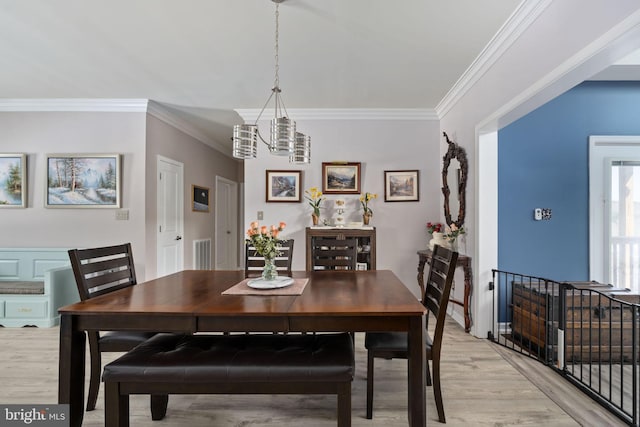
(199, 199)
(13, 180)
(341, 178)
(284, 186)
(401, 186)
(83, 181)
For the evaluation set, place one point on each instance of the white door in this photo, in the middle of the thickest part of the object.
(614, 212)
(226, 224)
(170, 216)
(623, 228)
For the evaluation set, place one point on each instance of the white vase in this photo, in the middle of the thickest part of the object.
(438, 239)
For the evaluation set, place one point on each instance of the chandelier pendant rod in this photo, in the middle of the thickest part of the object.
(284, 139)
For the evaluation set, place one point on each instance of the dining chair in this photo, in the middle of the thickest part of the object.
(254, 262)
(393, 345)
(334, 254)
(99, 271)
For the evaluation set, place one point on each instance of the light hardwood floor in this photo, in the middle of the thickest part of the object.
(483, 385)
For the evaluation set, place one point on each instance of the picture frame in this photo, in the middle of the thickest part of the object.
(83, 181)
(341, 177)
(13, 180)
(283, 186)
(402, 186)
(199, 198)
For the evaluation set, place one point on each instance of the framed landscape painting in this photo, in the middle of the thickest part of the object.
(341, 178)
(283, 186)
(83, 181)
(13, 180)
(401, 186)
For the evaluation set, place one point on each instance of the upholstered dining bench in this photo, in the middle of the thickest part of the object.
(232, 364)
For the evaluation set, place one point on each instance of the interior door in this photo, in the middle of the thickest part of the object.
(226, 224)
(170, 216)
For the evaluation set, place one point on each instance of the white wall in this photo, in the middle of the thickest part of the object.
(201, 165)
(40, 133)
(379, 145)
(138, 137)
(567, 43)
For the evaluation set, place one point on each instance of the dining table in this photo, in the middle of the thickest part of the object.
(193, 301)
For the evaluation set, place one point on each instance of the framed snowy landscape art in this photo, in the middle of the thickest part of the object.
(13, 180)
(83, 181)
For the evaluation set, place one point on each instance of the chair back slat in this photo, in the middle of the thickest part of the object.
(438, 289)
(254, 262)
(334, 254)
(102, 270)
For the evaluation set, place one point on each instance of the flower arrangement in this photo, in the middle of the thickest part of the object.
(434, 227)
(265, 239)
(364, 201)
(314, 196)
(454, 232)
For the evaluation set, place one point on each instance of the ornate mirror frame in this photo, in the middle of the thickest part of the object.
(454, 152)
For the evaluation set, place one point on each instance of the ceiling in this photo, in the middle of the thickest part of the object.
(202, 59)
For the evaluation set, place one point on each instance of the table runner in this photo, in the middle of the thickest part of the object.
(243, 289)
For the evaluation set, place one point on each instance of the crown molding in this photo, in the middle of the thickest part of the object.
(251, 114)
(526, 13)
(161, 113)
(74, 104)
(624, 36)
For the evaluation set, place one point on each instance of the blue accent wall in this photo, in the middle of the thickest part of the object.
(543, 163)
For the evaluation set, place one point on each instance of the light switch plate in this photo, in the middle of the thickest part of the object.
(537, 214)
(122, 215)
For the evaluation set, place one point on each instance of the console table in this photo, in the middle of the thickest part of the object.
(464, 261)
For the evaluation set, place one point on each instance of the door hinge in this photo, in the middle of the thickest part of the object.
(160, 228)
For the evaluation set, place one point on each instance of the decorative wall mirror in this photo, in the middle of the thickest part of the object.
(454, 173)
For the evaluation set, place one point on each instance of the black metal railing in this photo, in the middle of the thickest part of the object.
(586, 331)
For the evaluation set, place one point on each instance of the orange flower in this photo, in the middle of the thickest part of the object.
(265, 239)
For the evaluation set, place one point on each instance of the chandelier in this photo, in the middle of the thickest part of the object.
(283, 138)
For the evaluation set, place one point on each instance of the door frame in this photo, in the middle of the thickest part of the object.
(602, 149)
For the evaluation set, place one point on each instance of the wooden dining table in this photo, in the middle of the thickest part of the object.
(192, 301)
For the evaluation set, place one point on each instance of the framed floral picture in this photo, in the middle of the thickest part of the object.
(83, 181)
(341, 178)
(199, 198)
(401, 186)
(283, 186)
(13, 180)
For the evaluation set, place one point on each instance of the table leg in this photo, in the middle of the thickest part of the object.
(421, 263)
(467, 295)
(71, 369)
(417, 373)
